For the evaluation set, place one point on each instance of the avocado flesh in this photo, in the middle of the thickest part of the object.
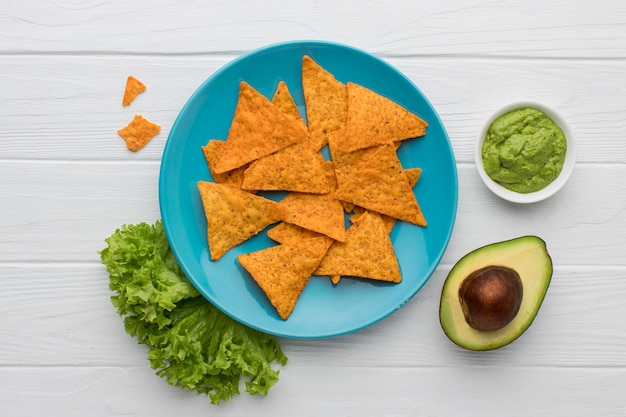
(529, 257)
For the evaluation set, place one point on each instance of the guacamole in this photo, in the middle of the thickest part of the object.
(524, 150)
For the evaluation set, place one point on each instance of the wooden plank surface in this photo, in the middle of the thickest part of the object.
(73, 110)
(508, 28)
(67, 182)
(308, 392)
(68, 306)
(86, 201)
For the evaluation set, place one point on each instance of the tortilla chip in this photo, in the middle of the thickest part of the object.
(326, 101)
(134, 87)
(285, 102)
(321, 213)
(413, 175)
(233, 216)
(283, 271)
(376, 120)
(290, 233)
(366, 253)
(344, 162)
(379, 183)
(294, 168)
(212, 152)
(138, 133)
(297, 167)
(258, 129)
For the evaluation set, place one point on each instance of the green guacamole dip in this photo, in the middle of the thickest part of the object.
(524, 150)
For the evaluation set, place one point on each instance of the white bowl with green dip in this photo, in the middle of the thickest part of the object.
(525, 152)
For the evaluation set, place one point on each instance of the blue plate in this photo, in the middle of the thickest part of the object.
(323, 310)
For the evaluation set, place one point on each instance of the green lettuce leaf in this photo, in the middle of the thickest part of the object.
(191, 343)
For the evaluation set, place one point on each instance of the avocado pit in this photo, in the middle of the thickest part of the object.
(490, 297)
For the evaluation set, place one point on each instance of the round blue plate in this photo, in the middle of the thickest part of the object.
(323, 310)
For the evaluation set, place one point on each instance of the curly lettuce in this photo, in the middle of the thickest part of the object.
(191, 343)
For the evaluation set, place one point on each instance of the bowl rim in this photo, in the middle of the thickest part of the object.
(550, 189)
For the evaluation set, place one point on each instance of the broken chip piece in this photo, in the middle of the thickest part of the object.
(134, 87)
(138, 133)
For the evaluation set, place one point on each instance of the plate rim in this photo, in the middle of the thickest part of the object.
(266, 49)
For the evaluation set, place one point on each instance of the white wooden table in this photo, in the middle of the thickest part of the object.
(67, 182)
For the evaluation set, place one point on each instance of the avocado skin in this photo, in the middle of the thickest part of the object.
(528, 255)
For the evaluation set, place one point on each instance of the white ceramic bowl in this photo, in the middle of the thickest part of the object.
(550, 189)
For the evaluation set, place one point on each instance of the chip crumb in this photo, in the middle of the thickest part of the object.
(134, 87)
(138, 132)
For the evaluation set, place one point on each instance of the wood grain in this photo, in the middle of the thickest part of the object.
(67, 182)
(73, 110)
(507, 28)
(77, 205)
(402, 391)
(68, 307)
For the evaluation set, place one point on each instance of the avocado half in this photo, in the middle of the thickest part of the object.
(528, 256)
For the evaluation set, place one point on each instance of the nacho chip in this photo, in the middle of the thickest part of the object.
(321, 213)
(376, 120)
(138, 133)
(233, 216)
(326, 101)
(134, 87)
(366, 253)
(285, 102)
(379, 183)
(344, 162)
(258, 129)
(413, 175)
(290, 233)
(283, 271)
(212, 152)
(297, 167)
(294, 168)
